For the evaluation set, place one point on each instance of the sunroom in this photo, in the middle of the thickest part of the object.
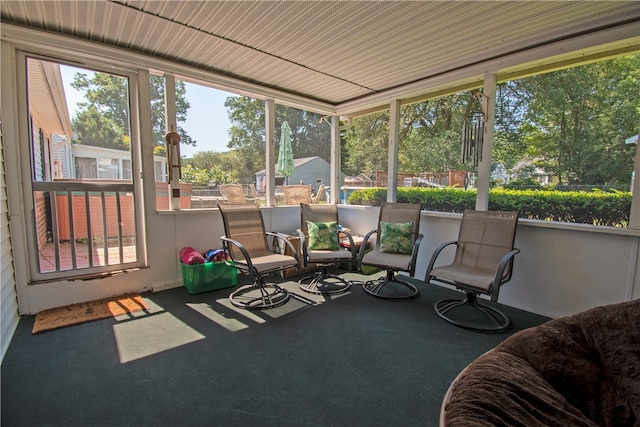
(339, 59)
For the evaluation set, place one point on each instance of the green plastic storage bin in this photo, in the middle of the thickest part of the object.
(209, 276)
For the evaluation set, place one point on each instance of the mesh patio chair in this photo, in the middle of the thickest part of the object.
(248, 246)
(396, 248)
(296, 194)
(319, 242)
(483, 262)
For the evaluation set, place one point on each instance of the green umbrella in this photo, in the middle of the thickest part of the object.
(285, 155)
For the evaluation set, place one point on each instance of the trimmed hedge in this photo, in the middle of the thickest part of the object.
(597, 208)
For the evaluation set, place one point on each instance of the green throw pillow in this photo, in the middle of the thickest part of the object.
(323, 235)
(395, 237)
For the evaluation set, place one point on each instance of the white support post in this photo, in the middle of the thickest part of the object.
(484, 166)
(394, 143)
(336, 160)
(270, 150)
(173, 150)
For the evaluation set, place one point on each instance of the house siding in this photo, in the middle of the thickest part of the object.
(8, 296)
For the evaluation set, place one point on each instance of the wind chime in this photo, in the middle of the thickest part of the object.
(473, 129)
(175, 167)
(173, 154)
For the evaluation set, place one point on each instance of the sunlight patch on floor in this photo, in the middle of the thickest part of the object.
(230, 324)
(151, 335)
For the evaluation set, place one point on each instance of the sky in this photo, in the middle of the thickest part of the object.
(207, 121)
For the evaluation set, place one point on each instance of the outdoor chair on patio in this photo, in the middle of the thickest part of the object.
(296, 194)
(396, 249)
(320, 246)
(250, 251)
(234, 194)
(483, 262)
(317, 198)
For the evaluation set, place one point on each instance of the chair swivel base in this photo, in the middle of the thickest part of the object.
(377, 287)
(498, 321)
(323, 282)
(259, 296)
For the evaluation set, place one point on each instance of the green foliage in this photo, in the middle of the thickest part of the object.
(597, 208)
(573, 122)
(208, 167)
(523, 182)
(570, 123)
(93, 128)
(430, 133)
(103, 118)
(203, 177)
(309, 135)
(365, 144)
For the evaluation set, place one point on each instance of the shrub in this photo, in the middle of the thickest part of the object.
(597, 208)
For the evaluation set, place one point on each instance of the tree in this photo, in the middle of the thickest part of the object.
(208, 167)
(247, 133)
(429, 138)
(571, 123)
(94, 128)
(103, 118)
(366, 144)
(576, 120)
(309, 135)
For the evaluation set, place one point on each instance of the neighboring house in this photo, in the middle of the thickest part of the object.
(103, 163)
(527, 169)
(499, 174)
(314, 171)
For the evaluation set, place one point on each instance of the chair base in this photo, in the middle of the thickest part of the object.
(499, 321)
(323, 282)
(259, 296)
(375, 287)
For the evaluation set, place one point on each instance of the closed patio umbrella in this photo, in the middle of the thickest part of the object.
(285, 165)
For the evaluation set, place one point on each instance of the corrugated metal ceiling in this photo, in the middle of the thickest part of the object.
(329, 51)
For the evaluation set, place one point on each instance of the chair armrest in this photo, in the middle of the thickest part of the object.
(414, 254)
(247, 258)
(499, 280)
(352, 246)
(285, 239)
(365, 243)
(303, 247)
(434, 256)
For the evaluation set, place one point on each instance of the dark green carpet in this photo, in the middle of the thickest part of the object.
(354, 360)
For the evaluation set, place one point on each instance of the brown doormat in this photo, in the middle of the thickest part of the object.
(87, 311)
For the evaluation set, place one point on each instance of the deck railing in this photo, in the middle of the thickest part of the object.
(87, 224)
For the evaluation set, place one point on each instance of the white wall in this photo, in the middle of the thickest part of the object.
(562, 268)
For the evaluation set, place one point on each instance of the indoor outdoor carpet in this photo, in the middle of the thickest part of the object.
(88, 311)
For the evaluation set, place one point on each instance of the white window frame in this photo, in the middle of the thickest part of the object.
(29, 187)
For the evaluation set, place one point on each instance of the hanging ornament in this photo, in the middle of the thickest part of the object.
(473, 130)
(173, 154)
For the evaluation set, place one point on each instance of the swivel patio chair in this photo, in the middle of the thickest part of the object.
(483, 262)
(250, 251)
(396, 248)
(320, 245)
